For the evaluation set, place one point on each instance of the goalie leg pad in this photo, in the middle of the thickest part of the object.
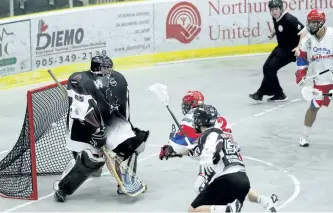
(130, 183)
(132, 162)
(86, 164)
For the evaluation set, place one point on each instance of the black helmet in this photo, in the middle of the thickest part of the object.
(204, 117)
(101, 64)
(275, 4)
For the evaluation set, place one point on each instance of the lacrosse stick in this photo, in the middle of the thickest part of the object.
(161, 91)
(307, 78)
(126, 178)
(61, 87)
(310, 93)
(128, 181)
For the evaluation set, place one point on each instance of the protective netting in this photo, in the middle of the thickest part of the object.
(49, 111)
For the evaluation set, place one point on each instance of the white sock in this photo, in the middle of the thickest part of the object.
(259, 199)
(263, 200)
(218, 209)
(306, 130)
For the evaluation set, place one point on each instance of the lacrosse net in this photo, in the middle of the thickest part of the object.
(40, 148)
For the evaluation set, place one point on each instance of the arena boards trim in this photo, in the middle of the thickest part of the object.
(131, 62)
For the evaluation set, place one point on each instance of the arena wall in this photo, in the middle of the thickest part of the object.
(136, 34)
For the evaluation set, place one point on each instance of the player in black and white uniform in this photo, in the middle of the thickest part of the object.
(98, 115)
(222, 184)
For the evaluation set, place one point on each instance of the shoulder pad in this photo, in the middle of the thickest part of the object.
(75, 77)
(118, 76)
(79, 82)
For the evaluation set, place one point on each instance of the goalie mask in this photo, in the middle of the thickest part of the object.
(205, 116)
(315, 21)
(102, 67)
(191, 100)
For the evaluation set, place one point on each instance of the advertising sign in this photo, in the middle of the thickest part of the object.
(132, 30)
(64, 39)
(15, 54)
(195, 24)
(54, 39)
(76, 37)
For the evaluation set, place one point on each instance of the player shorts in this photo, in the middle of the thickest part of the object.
(326, 101)
(223, 190)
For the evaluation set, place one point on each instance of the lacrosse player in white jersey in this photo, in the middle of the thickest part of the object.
(222, 183)
(316, 54)
(177, 145)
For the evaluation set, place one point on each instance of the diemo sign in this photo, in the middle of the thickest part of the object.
(57, 39)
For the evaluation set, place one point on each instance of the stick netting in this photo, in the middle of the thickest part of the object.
(49, 113)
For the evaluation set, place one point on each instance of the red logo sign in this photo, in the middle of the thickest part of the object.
(183, 22)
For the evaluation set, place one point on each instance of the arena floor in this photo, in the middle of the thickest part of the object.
(268, 134)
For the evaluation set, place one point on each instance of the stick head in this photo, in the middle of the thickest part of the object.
(310, 93)
(161, 91)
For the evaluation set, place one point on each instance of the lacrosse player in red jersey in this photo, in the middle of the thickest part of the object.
(178, 145)
(316, 48)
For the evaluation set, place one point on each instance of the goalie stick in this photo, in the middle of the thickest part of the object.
(126, 178)
(128, 181)
(61, 87)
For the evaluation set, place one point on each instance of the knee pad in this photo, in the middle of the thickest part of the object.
(85, 165)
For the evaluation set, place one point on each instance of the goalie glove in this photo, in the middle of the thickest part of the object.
(98, 139)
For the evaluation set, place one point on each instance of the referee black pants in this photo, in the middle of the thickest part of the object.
(279, 58)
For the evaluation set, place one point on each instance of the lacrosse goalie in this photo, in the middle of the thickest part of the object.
(99, 125)
(316, 48)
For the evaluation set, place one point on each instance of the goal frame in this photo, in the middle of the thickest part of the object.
(30, 109)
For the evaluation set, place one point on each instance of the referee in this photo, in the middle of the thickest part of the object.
(289, 32)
